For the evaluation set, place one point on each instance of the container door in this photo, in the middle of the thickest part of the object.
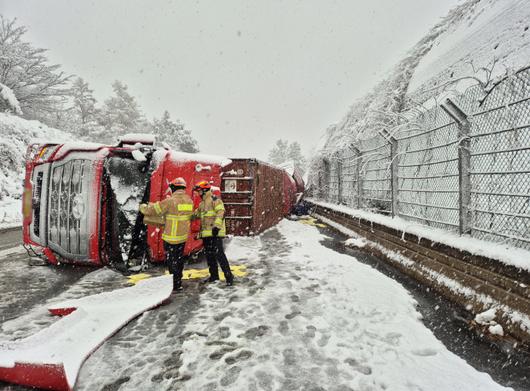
(238, 196)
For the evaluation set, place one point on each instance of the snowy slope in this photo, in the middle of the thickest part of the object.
(15, 135)
(477, 30)
(494, 31)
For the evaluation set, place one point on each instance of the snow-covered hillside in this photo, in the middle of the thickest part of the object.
(492, 40)
(15, 135)
(472, 36)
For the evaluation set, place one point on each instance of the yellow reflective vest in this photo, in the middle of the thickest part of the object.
(211, 211)
(177, 211)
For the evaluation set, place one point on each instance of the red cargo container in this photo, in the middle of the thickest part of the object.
(256, 196)
(294, 173)
(193, 168)
(289, 193)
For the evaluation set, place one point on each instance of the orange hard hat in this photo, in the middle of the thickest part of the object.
(178, 182)
(203, 185)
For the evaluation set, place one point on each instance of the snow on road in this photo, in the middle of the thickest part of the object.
(304, 318)
(313, 319)
(33, 289)
(87, 323)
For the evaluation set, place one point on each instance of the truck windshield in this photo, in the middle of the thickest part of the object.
(128, 182)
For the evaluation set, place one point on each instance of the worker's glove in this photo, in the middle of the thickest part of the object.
(143, 208)
(215, 231)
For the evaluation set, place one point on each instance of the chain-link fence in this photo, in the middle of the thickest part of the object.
(427, 171)
(500, 163)
(375, 157)
(470, 176)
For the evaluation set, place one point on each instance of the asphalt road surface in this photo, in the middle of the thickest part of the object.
(23, 286)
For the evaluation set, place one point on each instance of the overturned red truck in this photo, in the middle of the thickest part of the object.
(81, 200)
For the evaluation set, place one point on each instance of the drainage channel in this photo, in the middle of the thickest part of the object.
(448, 322)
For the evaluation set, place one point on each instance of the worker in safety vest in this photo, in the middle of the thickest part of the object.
(177, 211)
(211, 211)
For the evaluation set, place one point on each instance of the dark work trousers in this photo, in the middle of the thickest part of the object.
(213, 247)
(175, 261)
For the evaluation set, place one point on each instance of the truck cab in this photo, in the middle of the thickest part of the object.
(80, 202)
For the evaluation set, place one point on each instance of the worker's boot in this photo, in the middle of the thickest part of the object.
(210, 279)
(229, 279)
(177, 285)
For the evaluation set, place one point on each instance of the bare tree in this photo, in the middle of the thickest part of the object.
(37, 86)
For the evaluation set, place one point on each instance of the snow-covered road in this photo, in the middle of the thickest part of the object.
(305, 318)
(312, 319)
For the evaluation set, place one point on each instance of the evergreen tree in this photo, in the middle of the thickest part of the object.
(84, 103)
(283, 152)
(279, 152)
(120, 113)
(294, 154)
(81, 116)
(173, 134)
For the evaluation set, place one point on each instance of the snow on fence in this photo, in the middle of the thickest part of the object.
(470, 177)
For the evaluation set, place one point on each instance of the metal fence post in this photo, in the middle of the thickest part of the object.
(464, 164)
(321, 191)
(394, 184)
(358, 174)
(338, 164)
(326, 188)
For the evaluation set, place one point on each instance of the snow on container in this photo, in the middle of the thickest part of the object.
(256, 196)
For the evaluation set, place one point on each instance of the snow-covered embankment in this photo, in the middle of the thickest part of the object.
(15, 135)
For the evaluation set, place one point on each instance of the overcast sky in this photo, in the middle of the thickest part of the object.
(239, 74)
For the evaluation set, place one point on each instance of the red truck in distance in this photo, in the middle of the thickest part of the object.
(80, 201)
